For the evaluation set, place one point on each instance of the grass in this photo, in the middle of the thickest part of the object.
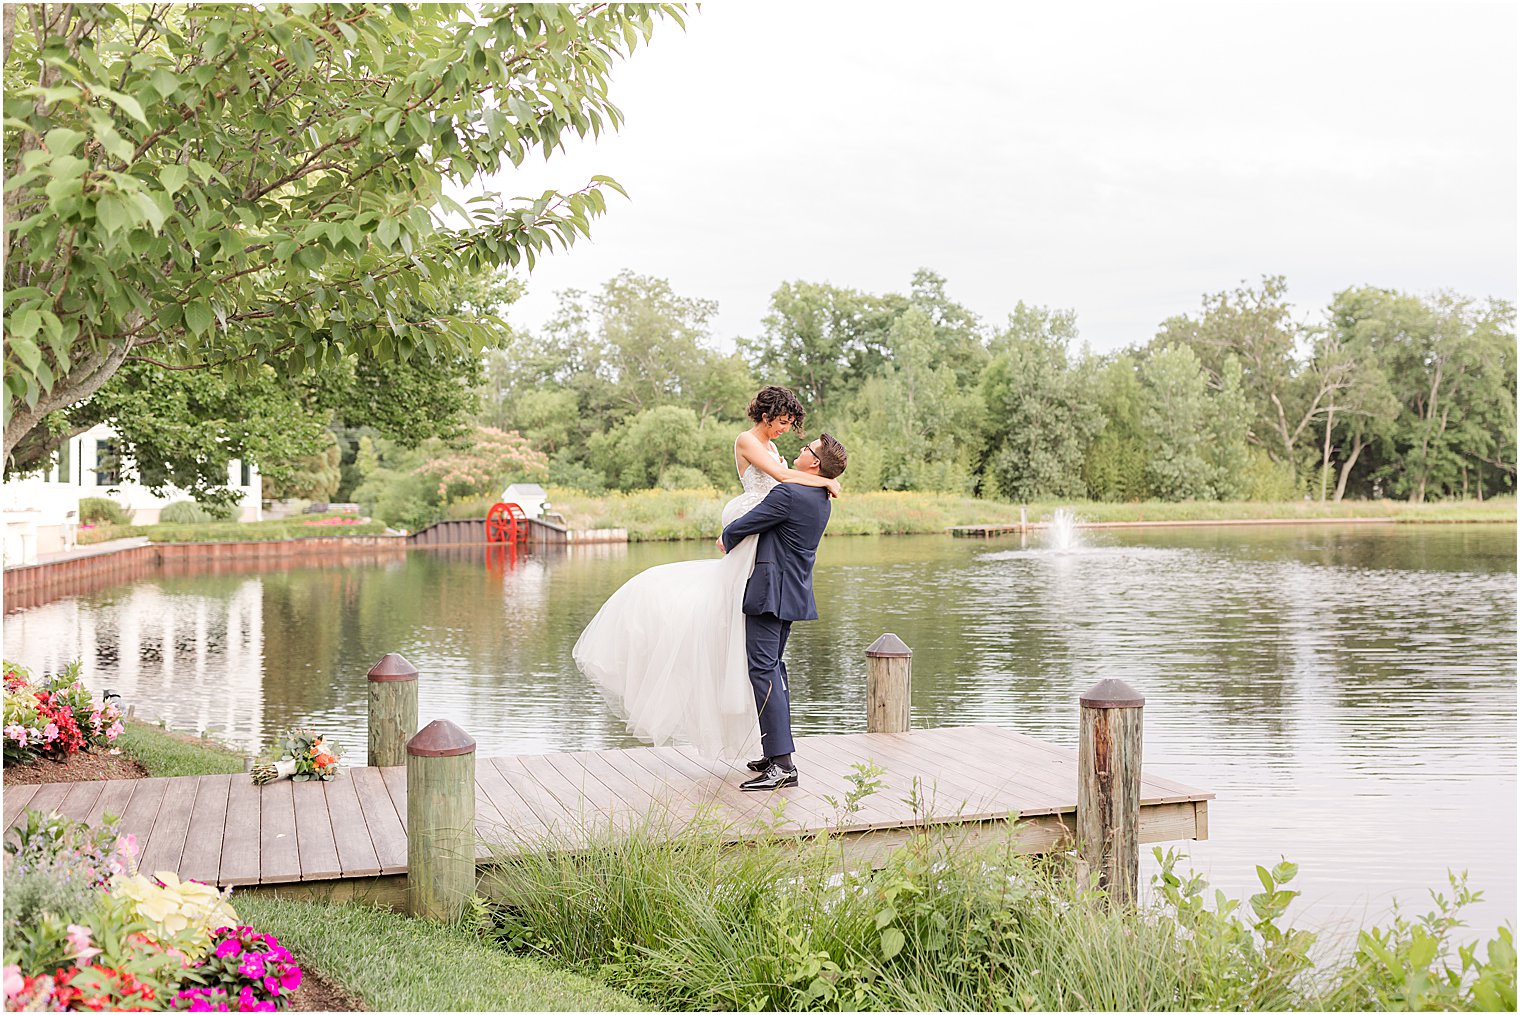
(690, 923)
(392, 962)
(165, 753)
(695, 514)
(233, 532)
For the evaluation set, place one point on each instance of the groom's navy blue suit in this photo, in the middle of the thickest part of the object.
(790, 522)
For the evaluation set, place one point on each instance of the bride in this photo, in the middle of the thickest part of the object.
(667, 648)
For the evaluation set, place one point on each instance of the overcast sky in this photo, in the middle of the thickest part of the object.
(1120, 160)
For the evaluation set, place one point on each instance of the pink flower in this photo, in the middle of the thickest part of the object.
(80, 944)
(229, 948)
(50, 732)
(15, 983)
(126, 844)
(290, 979)
(252, 965)
(113, 731)
(245, 998)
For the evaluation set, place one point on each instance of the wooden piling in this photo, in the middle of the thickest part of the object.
(392, 710)
(1108, 788)
(889, 685)
(440, 821)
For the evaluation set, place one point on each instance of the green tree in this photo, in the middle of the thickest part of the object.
(822, 341)
(636, 453)
(235, 188)
(914, 425)
(1114, 467)
(1039, 410)
(1176, 417)
(314, 477)
(1255, 326)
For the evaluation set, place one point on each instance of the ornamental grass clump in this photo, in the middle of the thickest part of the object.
(689, 919)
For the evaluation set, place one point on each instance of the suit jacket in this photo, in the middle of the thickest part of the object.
(790, 522)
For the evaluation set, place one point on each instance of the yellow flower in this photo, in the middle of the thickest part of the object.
(183, 911)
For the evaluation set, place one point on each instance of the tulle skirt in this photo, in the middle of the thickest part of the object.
(667, 651)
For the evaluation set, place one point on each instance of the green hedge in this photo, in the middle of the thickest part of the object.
(232, 532)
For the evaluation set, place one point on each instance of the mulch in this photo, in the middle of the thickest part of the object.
(317, 994)
(85, 766)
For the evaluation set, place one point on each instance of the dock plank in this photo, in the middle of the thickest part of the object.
(115, 795)
(240, 841)
(80, 799)
(166, 845)
(49, 796)
(202, 856)
(351, 840)
(17, 799)
(386, 832)
(142, 811)
(279, 849)
(314, 830)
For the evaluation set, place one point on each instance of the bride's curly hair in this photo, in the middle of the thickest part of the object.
(772, 402)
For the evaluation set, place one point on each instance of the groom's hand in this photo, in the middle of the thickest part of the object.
(721, 547)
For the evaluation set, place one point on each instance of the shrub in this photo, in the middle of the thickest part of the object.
(184, 512)
(684, 477)
(103, 511)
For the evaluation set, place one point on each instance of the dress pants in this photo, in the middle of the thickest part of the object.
(765, 640)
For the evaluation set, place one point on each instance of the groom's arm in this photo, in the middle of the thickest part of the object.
(769, 513)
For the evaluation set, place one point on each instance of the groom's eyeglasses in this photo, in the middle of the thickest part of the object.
(809, 449)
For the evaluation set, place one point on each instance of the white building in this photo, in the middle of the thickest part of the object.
(41, 513)
(528, 496)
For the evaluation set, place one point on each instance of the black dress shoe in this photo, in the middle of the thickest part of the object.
(774, 777)
(758, 765)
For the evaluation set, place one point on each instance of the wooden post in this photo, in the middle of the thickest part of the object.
(440, 821)
(889, 685)
(1108, 788)
(392, 710)
(1023, 519)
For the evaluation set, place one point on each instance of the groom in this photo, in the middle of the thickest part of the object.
(790, 522)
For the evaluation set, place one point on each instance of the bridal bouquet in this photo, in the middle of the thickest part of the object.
(302, 755)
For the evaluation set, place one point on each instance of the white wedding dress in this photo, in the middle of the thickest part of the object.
(667, 649)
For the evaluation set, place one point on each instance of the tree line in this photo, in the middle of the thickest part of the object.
(1381, 393)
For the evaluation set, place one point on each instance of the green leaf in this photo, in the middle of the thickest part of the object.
(150, 209)
(26, 350)
(112, 213)
(164, 82)
(198, 316)
(128, 105)
(62, 140)
(885, 917)
(892, 942)
(173, 177)
(24, 324)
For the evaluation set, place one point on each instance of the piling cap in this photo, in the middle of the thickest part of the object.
(392, 666)
(1112, 693)
(440, 739)
(889, 646)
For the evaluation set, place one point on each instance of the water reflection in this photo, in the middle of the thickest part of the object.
(1348, 691)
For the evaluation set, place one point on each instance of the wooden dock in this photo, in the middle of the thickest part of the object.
(347, 838)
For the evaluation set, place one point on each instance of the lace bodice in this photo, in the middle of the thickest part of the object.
(756, 485)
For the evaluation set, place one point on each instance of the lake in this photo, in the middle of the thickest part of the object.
(1348, 691)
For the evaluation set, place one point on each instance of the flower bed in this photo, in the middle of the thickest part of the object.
(84, 932)
(54, 717)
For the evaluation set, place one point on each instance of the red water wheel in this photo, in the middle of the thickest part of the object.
(506, 523)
